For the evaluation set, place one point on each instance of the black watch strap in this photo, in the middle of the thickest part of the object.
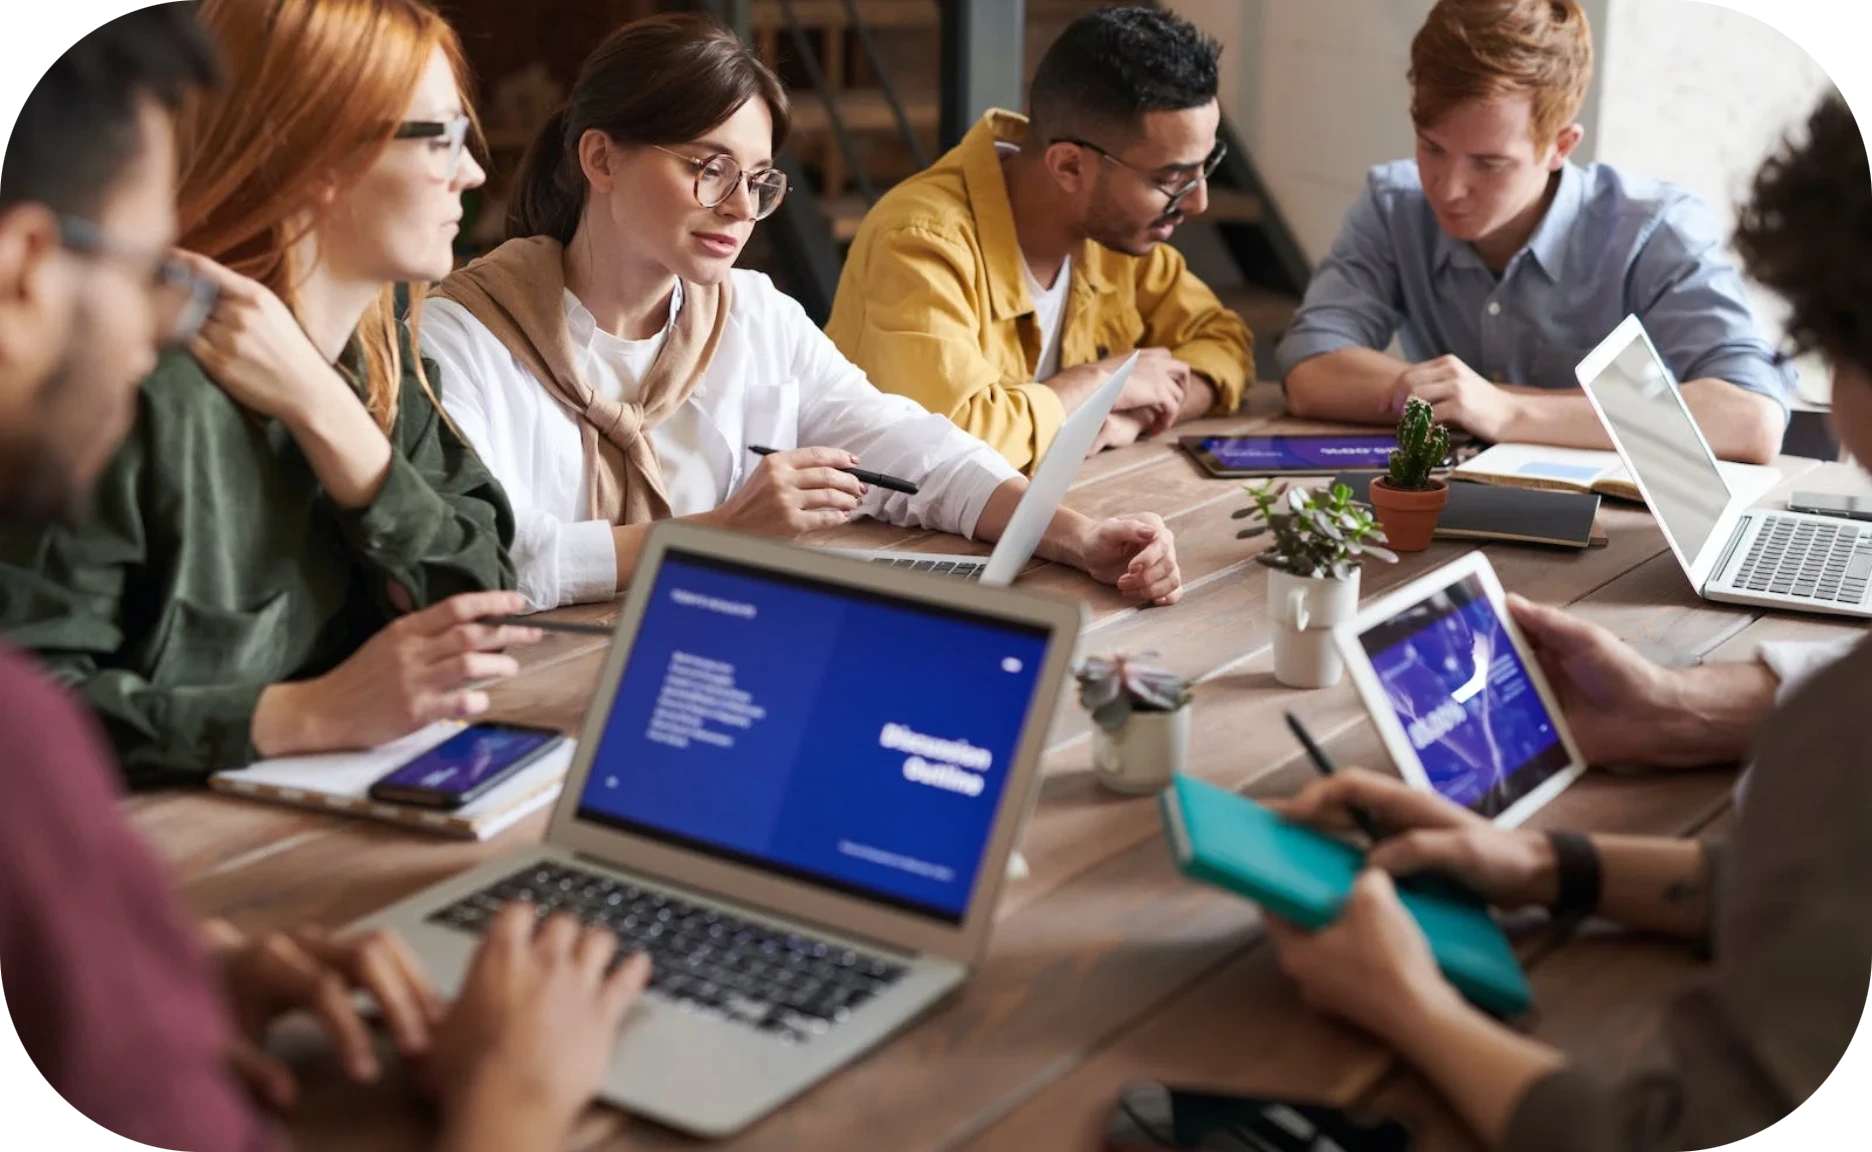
(1576, 868)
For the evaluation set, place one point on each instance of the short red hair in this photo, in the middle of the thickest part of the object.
(1470, 50)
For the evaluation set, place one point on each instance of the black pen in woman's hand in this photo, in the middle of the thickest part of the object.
(552, 625)
(1326, 767)
(877, 478)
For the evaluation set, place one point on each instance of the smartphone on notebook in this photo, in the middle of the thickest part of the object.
(466, 766)
(1153, 1117)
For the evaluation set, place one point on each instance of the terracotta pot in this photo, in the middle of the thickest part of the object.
(1408, 518)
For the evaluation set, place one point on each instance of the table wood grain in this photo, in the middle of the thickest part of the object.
(1105, 966)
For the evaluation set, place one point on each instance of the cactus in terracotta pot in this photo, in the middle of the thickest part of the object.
(1409, 499)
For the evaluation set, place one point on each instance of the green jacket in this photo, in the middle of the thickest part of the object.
(213, 565)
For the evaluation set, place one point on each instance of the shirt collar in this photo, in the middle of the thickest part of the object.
(1547, 246)
(582, 326)
(994, 215)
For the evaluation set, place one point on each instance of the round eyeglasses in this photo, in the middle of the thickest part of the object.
(182, 299)
(1176, 193)
(717, 177)
(448, 138)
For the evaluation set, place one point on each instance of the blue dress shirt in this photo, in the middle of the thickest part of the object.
(1611, 244)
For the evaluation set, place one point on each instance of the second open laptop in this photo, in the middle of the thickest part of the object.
(797, 788)
(1035, 511)
(1730, 551)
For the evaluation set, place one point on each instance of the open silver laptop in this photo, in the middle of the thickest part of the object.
(797, 788)
(1035, 511)
(1730, 551)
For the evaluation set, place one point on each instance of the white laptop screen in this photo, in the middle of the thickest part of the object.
(1674, 465)
(852, 739)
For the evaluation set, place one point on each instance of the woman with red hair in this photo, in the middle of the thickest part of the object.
(292, 551)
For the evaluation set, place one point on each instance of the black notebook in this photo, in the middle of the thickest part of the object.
(1490, 512)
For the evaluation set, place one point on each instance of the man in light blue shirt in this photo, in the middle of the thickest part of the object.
(1497, 264)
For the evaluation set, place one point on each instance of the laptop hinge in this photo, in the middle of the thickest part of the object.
(1735, 541)
(870, 942)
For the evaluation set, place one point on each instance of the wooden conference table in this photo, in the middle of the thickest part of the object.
(1105, 967)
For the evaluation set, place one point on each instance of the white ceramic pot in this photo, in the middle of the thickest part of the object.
(1304, 610)
(1141, 756)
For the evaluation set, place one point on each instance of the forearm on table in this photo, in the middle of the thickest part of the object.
(1482, 1068)
(1350, 384)
(1655, 884)
(1564, 419)
(1712, 711)
(1739, 424)
(1066, 535)
(348, 452)
(1074, 386)
(629, 541)
(1199, 399)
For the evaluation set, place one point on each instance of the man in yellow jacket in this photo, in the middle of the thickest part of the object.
(1001, 286)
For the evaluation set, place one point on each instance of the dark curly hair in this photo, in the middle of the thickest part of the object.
(1110, 67)
(1806, 233)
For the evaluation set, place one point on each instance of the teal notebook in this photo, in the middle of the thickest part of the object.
(1224, 838)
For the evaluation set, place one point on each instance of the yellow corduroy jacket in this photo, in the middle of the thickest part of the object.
(933, 304)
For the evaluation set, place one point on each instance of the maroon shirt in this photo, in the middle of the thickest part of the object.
(112, 996)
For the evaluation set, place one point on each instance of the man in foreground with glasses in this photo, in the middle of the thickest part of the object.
(119, 1006)
(1496, 263)
(1001, 286)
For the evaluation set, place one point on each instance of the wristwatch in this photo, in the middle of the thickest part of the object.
(1576, 869)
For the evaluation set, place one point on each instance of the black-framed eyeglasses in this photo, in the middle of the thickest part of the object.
(450, 136)
(1176, 194)
(717, 177)
(183, 299)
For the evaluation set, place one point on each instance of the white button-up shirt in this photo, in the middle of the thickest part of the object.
(776, 381)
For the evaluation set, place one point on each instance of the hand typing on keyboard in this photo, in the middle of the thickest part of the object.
(790, 986)
(531, 1035)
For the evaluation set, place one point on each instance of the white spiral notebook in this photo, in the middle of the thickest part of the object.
(340, 782)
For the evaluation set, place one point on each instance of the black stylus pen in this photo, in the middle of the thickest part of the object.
(1326, 767)
(878, 478)
(552, 625)
(1428, 881)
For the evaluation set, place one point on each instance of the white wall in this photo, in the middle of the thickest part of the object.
(1685, 91)
(1698, 94)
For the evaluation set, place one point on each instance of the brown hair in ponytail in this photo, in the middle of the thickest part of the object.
(665, 80)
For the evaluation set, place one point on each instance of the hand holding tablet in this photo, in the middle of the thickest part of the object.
(1457, 695)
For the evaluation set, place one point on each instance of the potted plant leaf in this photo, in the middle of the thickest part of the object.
(1409, 500)
(1320, 541)
(1142, 717)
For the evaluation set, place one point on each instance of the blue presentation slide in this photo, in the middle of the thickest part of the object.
(833, 734)
(1325, 453)
(1463, 696)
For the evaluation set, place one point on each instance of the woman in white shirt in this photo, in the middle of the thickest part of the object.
(612, 368)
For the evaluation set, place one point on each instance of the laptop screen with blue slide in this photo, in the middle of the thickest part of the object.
(840, 736)
(1460, 691)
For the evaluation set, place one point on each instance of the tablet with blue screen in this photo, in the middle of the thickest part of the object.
(1458, 696)
(1290, 456)
(1231, 456)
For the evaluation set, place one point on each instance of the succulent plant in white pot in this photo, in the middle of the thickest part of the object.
(1142, 717)
(1320, 541)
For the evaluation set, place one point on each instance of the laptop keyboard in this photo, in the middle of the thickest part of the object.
(1808, 559)
(966, 569)
(788, 985)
